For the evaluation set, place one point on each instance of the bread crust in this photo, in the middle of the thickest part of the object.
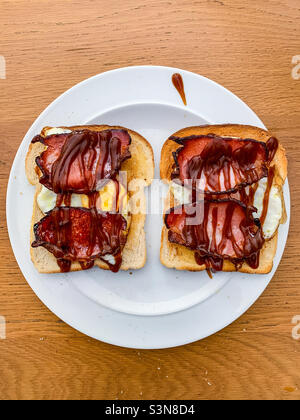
(140, 165)
(178, 256)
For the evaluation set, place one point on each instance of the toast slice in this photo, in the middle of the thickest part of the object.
(139, 166)
(178, 256)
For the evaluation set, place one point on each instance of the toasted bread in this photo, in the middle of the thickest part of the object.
(177, 256)
(139, 166)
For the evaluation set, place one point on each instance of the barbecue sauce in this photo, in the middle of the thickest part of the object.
(227, 158)
(267, 194)
(221, 165)
(272, 146)
(97, 157)
(80, 234)
(83, 161)
(201, 236)
(179, 86)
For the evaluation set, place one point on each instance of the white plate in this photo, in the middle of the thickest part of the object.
(154, 307)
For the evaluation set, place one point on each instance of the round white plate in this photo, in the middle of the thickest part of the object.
(154, 307)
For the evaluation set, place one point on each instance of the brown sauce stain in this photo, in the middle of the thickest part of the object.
(179, 86)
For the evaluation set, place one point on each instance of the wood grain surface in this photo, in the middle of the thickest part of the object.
(49, 45)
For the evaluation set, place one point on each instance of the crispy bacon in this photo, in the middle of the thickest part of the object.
(217, 230)
(213, 164)
(80, 234)
(82, 160)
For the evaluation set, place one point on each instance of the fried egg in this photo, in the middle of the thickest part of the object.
(106, 200)
(57, 130)
(46, 200)
(274, 213)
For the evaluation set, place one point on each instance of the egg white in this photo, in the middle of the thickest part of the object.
(57, 130)
(46, 200)
(274, 213)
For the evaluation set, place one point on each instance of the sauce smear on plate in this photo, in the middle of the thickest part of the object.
(178, 84)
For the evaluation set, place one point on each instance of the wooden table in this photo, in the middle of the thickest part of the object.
(49, 45)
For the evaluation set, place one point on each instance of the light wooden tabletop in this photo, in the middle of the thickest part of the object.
(48, 46)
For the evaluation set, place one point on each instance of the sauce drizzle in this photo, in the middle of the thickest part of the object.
(217, 230)
(82, 162)
(81, 234)
(267, 195)
(226, 170)
(219, 165)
